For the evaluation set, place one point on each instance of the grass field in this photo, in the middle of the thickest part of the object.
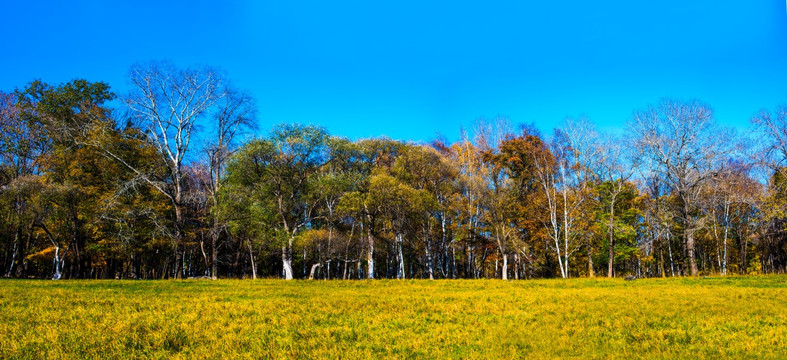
(738, 317)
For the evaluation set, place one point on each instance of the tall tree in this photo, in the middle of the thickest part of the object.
(467, 204)
(518, 157)
(583, 153)
(168, 102)
(686, 144)
(234, 113)
(615, 167)
(285, 168)
(340, 175)
(425, 170)
(377, 157)
(771, 154)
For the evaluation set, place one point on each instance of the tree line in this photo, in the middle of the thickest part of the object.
(163, 183)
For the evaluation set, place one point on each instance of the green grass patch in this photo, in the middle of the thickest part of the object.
(729, 317)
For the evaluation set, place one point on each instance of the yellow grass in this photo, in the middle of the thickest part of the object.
(660, 318)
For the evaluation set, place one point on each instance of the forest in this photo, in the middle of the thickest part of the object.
(170, 181)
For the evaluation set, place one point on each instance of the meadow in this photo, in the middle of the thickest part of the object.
(738, 317)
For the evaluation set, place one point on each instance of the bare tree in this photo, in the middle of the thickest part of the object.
(235, 112)
(550, 174)
(582, 138)
(685, 144)
(564, 174)
(488, 134)
(168, 103)
(772, 130)
(657, 216)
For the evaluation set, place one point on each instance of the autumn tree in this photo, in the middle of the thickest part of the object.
(580, 157)
(18, 154)
(519, 156)
(466, 205)
(686, 145)
(431, 177)
(168, 103)
(770, 129)
(70, 183)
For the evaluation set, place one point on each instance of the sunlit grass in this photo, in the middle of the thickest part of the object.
(739, 317)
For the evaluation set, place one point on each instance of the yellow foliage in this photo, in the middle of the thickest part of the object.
(44, 255)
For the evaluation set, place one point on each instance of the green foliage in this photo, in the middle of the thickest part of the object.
(81, 192)
(627, 220)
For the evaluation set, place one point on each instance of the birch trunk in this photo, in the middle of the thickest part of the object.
(400, 257)
(429, 262)
(370, 254)
(14, 254)
(505, 266)
(253, 264)
(58, 264)
(286, 261)
(311, 272)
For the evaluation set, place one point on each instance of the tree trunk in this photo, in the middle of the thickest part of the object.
(178, 237)
(251, 259)
(400, 266)
(591, 272)
(692, 254)
(726, 233)
(661, 257)
(443, 248)
(505, 266)
(214, 239)
(688, 232)
(566, 228)
(453, 260)
(286, 260)
(611, 231)
(311, 272)
(14, 254)
(204, 255)
(429, 262)
(370, 254)
(57, 264)
(330, 238)
(671, 261)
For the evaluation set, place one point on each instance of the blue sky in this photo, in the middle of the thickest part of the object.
(411, 69)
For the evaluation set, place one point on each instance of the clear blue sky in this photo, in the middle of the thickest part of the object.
(410, 69)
